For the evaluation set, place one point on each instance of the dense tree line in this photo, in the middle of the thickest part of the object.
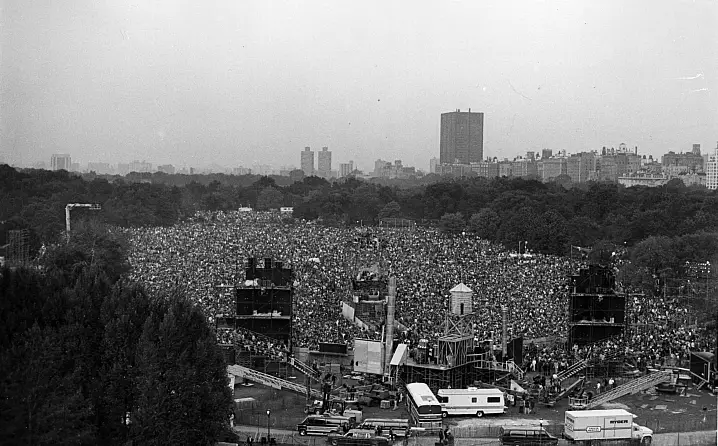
(87, 358)
(548, 217)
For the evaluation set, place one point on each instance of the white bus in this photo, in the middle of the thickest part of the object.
(424, 409)
(471, 401)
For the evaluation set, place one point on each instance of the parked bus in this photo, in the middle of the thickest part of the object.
(471, 401)
(424, 409)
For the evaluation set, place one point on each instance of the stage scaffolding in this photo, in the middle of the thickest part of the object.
(439, 376)
(456, 363)
(18, 253)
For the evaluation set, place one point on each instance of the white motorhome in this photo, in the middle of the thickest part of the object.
(471, 401)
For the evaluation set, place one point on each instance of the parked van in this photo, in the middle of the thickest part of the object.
(324, 425)
(526, 436)
(399, 426)
(471, 401)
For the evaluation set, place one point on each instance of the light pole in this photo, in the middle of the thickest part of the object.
(269, 435)
(525, 245)
(540, 430)
(708, 273)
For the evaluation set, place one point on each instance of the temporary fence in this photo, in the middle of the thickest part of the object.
(495, 430)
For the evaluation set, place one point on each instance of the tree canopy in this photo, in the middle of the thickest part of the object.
(89, 358)
(549, 217)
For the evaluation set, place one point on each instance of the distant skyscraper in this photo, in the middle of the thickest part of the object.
(308, 161)
(697, 149)
(462, 137)
(99, 168)
(346, 169)
(166, 168)
(433, 162)
(324, 163)
(712, 170)
(61, 161)
(140, 166)
(379, 167)
(546, 153)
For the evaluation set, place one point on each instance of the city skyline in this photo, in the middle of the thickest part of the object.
(250, 83)
(307, 164)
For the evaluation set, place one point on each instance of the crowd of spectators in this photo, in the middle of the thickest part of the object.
(252, 343)
(210, 250)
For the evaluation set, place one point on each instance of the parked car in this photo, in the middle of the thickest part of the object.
(358, 437)
(526, 436)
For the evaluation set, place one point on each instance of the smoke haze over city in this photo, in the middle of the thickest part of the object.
(237, 83)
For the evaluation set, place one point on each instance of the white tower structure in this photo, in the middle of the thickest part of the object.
(461, 300)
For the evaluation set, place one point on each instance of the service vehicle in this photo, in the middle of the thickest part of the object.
(472, 401)
(526, 436)
(399, 426)
(346, 408)
(324, 424)
(424, 408)
(605, 427)
(358, 437)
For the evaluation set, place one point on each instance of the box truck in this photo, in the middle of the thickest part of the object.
(605, 427)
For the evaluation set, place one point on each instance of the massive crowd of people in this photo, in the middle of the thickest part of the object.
(210, 250)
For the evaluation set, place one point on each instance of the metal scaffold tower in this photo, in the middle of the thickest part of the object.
(18, 253)
(457, 342)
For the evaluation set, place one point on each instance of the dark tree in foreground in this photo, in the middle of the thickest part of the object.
(184, 395)
(81, 353)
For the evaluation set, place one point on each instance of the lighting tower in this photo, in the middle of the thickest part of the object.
(71, 206)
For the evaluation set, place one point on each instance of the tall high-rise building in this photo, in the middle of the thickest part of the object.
(140, 166)
(99, 168)
(61, 161)
(308, 161)
(462, 137)
(581, 167)
(697, 149)
(379, 166)
(433, 162)
(712, 170)
(346, 169)
(546, 153)
(324, 163)
(166, 168)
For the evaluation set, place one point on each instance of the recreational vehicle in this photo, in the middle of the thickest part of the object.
(471, 401)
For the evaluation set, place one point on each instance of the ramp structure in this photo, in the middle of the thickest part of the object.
(567, 391)
(575, 368)
(270, 381)
(631, 387)
(304, 369)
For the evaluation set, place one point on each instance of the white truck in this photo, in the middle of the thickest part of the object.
(596, 427)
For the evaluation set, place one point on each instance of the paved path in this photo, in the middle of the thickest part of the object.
(285, 436)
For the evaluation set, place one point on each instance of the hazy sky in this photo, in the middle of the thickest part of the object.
(238, 82)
